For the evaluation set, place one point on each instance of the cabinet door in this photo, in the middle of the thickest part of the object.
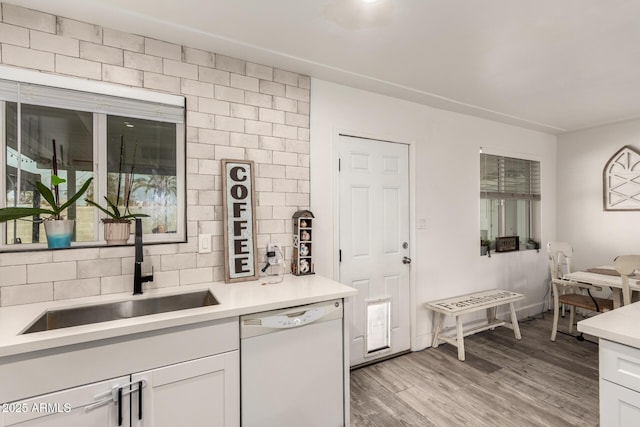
(201, 392)
(619, 406)
(91, 405)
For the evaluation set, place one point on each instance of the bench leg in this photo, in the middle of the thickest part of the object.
(438, 320)
(491, 315)
(514, 322)
(460, 338)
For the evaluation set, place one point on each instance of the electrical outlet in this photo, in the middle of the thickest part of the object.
(277, 253)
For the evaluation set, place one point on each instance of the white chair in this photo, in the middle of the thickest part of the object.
(626, 265)
(560, 254)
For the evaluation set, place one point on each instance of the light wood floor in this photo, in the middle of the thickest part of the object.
(503, 382)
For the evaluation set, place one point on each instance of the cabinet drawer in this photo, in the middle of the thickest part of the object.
(620, 364)
(619, 406)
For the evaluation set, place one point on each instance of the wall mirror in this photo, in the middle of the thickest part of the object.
(132, 145)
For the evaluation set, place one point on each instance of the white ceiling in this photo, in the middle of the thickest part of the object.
(550, 65)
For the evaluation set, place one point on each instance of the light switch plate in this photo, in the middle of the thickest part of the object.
(204, 243)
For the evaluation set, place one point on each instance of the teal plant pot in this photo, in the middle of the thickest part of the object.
(59, 233)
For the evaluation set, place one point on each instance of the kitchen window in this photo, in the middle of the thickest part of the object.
(509, 198)
(131, 145)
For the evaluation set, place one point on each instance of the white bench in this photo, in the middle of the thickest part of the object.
(469, 303)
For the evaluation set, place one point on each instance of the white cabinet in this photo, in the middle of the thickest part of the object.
(91, 405)
(619, 384)
(203, 392)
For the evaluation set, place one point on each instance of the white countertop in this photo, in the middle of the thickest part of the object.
(234, 299)
(619, 325)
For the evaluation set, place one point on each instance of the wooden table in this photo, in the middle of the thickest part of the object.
(469, 303)
(598, 279)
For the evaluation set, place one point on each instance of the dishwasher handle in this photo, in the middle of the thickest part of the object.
(283, 321)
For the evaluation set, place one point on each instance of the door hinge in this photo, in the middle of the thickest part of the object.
(339, 255)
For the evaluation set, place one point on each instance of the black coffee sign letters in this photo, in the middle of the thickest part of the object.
(239, 220)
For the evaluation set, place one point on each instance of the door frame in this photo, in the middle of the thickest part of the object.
(412, 216)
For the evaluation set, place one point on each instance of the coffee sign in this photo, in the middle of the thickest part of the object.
(238, 204)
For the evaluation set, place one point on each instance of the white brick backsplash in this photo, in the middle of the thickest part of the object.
(13, 34)
(304, 82)
(161, 82)
(260, 71)
(162, 48)
(229, 123)
(260, 156)
(213, 137)
(201, 120)
(244, 111)
(126, 76)
(213, 76)
(79, 30)
(177, 261)
(258, 99)
(193, 87)
(258, 128)
(200, 182)
(272, 116)
(28, 58)
(271, 171)
(200, 151)
(285, 185)
(285, 131)
(225, 93)
(284, 158)
(18, 258)
(198, 57)
(243, 140)
(285, 77)
(233, 65)
(99, 53)
(26, 294)
(76, 288)
(141, 61)
(13, 275)
(223, 152)
(298, 93)
(38, 273)
(78, 67)
(271, 199)
(99, 268)
(297, 199)
(28, 18)
(285, 104)
(56, 44)
(235, 110)
(299, 120)
(272, 88)
(296, 146)
(272, 143)
(180, 69)
(244, 82)
(122, 40)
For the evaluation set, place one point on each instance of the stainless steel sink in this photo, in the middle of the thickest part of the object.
(65, 318)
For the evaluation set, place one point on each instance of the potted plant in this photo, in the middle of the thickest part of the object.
(58, 230)
(485, 247)
(117, 224)
(532, 244)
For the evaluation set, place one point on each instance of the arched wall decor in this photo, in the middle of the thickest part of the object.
(621, 181)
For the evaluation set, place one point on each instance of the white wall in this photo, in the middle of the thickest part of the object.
(445, 190)
(597, 236)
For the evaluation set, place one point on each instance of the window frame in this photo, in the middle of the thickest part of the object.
(129, 96)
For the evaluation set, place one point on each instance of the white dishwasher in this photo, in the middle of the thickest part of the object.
(292, 367)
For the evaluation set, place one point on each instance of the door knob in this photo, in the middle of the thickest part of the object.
(406, 260)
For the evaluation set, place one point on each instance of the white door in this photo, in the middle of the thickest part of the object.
(374, 245)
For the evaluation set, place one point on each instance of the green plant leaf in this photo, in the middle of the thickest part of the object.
(114, 208)
(92, 203)
(47, 194)
(134, 215)
(56, 180)
(8, 214)
(76, 196)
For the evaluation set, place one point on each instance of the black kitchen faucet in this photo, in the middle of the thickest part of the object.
(138, 278)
